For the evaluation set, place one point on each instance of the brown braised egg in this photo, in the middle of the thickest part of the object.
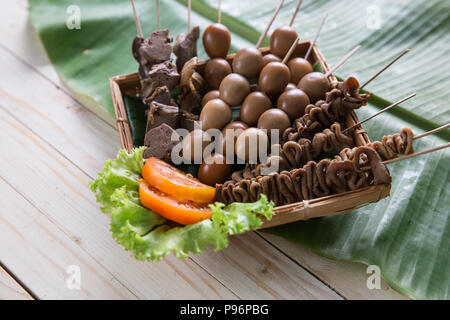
(281, 40)
(274, 78)
(293, 102)
(215, 70)
(290, 86)
(211, 95)
(215, 115)
(299, 67)
(233, 89)
(214, 169)
(268, 58)
(250, 143)
(193, 146)
(217, 40)
(253, 107)
(229, 136)
(274, 119)
(248, 62)
(315, 85)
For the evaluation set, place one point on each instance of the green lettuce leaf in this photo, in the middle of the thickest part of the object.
(125, 170)
(150, 236)
(238, 218)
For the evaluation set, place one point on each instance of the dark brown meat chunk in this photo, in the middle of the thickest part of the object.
(161, 113)
(160, 141)
(160, 95)
(188, 120)
(163, 74)
(151, 51)
(185, 47)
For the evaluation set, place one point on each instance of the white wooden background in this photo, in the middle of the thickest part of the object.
(51, 146)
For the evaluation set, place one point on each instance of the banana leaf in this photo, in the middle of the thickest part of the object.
(406, 235)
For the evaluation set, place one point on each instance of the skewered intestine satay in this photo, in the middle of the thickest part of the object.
(388, 148)
(293, 153)
(334, 109)
(315, 179)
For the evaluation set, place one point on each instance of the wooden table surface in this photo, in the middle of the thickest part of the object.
(51, 147)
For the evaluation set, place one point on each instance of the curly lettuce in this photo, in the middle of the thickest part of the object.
(150, 236)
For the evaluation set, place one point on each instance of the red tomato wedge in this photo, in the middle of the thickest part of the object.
(182, 212)
(176, 183)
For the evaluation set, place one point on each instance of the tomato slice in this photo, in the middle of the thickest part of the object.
(176, 183)
(182, 212)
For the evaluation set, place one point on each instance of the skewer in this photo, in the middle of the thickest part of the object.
(189, 16)
(411, 155)
(417, 154)
(295, 12)
(136, 19)
(387, 66)
(316, 36)
(219, 12)
(343, 60)
(158, 18)
(291, 50)
(264, 34)
(432, 131)
(379, 112)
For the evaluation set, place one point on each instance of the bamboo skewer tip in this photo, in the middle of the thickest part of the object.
(297, 8)
(343, 60)
(385, 68)
(189, 16)
(446, 126)
(264, 34)
(158, 16)
(136, 20)
(316, 36)
(379, 112)
(219, 12)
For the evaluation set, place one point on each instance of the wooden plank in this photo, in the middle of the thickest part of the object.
(349, 278)
(59, 190)
(72, 119)
(40, 254)
(252, 268)
(10, 289)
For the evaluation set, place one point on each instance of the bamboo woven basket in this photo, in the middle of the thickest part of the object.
(129, 84)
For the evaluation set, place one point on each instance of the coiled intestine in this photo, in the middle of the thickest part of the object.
(388, 148)
(313, 180)
(334, 109)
